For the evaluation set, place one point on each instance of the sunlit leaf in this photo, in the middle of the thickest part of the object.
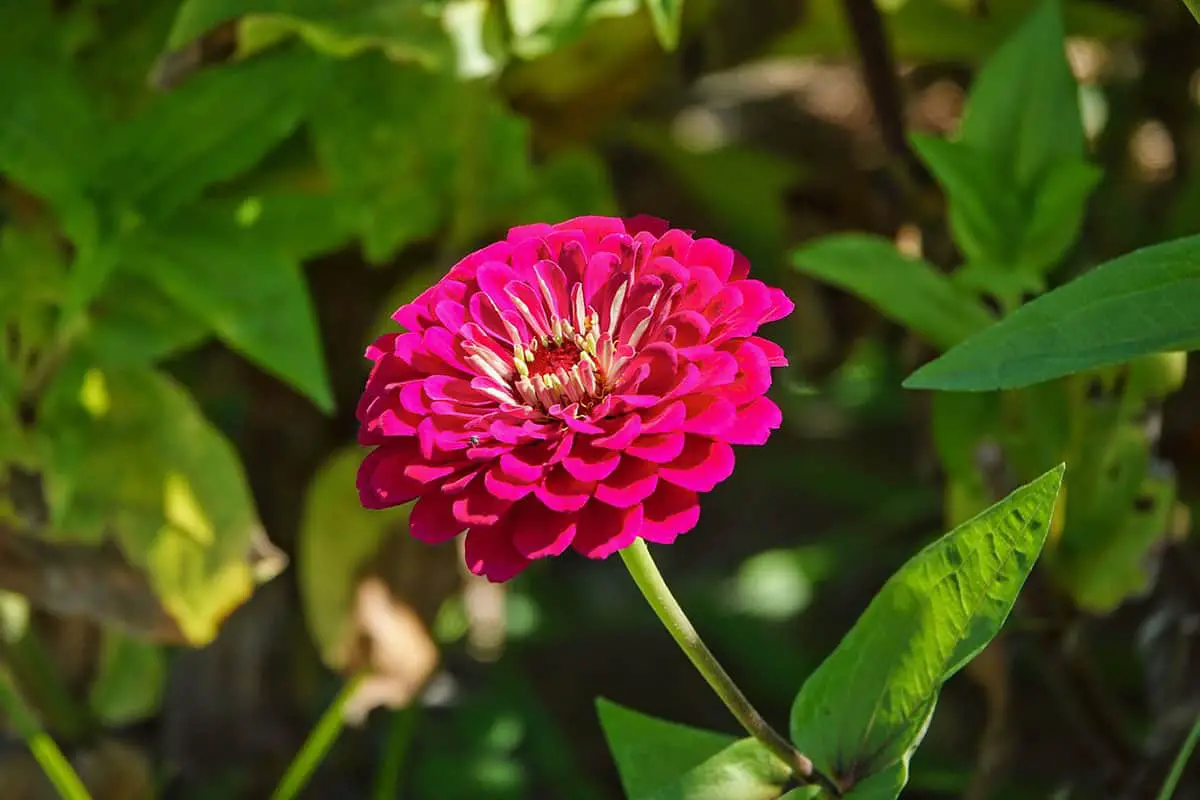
(147, 468)
(668, 18)
(404, 29)
(660, 760)
(908, 291)
(866, 708)
(1141, 303)
(251, 294)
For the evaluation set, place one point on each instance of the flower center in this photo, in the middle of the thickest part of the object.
(554, 356)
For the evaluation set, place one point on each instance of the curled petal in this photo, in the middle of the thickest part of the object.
(432, 519)
(603, 530)
(701, 466)
(668, 513)
(541, 532)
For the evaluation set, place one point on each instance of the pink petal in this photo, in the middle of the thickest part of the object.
(560, 491)
(712, 254)
(502, 484)
(587, 462)
(630, 483)
(475, 505)
(669, 512)
(539, 532)
(432, 519)
(382, 482)
(603, 530)
(489, 551)
(754, 422)
(701, 466)
(658, 447)
(620, 432)
(708, 415)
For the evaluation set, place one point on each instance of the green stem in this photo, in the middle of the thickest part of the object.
(319, 742)
(53, 763)
(650, 581)
(404, 722)
(1185, 752)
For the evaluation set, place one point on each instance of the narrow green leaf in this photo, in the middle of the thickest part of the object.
(985, 211)
(865, 710)
(660, 760)
(248, 292)
(135, 323)
(1024, 103)
(337, 536)
(213, 126)
(1141, 303)
(404, 29)
(667, 16)
(133, 457)
(1057, 213)
(908, 291)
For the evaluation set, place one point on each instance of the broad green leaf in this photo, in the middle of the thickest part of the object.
(403, 29)
(409, 149)
(908, 291)
(135, 323)
(244, 288)
(1141, 303)
(1024, 103)
(337, 537)
(865, 710)
(299, 225)
(48, 127)
(213, 126)
(667, 16)
(985, 211)
(134, 458)
(660, 760)
(130, 681)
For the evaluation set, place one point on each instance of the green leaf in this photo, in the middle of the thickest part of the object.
(409, 150)
(865, 710)
(985, 212)
(1058, 211)
(1024, 103)
(135, 323)
(660, 760)
(244, 288)
(1141, 303)
(212, 127)
(403, 29)
(570, 183)
(540, 26)
(337, 537)
(908, 291)
(48, 129)
(667, 16)
(130, 682)
(133, 457)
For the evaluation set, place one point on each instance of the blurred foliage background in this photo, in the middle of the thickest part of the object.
(209, 207)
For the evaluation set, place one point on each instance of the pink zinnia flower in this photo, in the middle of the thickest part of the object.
(576, 385)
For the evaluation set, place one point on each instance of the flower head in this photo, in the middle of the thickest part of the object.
(576, 385)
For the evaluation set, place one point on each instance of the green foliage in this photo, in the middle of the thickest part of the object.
(668, 18)
(1017, 179)
(130, 681)
(864, 711)
(661, 760)
(337, 537)
(403, 29)
(1138, 304)
(907, 290)
(132, 457)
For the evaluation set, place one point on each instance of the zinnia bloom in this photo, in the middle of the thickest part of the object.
(576, 385)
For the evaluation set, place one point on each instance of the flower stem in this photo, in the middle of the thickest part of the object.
(54, 764)
(650, 581)
(320, 741)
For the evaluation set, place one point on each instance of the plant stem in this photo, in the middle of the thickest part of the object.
(650, 581)
(1185, 752)
(53, 763)
(319, 742)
